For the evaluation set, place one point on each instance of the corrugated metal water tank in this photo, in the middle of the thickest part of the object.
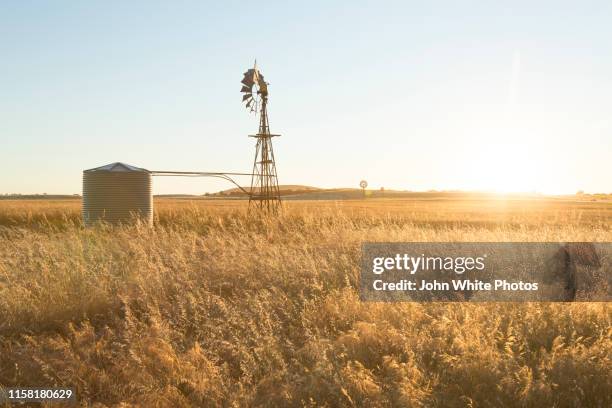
(116, 193)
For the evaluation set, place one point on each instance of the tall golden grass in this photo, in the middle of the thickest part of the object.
(212, 307)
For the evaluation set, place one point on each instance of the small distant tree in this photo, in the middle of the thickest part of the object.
(580, 192)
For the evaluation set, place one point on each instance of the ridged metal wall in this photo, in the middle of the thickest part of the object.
(117, 193)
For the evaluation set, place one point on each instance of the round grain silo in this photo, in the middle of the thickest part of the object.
(117, 193)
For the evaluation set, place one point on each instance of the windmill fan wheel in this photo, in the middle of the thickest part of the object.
(254, 89)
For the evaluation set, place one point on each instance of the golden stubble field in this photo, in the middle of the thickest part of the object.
(213, 308)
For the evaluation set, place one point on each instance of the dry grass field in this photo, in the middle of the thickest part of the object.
(213, 308)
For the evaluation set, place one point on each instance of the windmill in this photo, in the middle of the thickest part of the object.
(363, 184)
(265, 193)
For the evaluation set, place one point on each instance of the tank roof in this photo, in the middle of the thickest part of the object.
(117, 167)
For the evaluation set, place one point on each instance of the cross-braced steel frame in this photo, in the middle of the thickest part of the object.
(265, 193)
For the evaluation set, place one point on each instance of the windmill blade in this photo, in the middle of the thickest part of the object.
(249, 78)
(247, 96)
(249, 103)
(248, 89)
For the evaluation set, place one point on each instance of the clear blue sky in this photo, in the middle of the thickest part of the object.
(512, 95)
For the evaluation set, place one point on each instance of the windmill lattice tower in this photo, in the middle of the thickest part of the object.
(265, 193)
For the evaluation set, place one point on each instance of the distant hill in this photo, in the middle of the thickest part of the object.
(283, 187)
(285, 190)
